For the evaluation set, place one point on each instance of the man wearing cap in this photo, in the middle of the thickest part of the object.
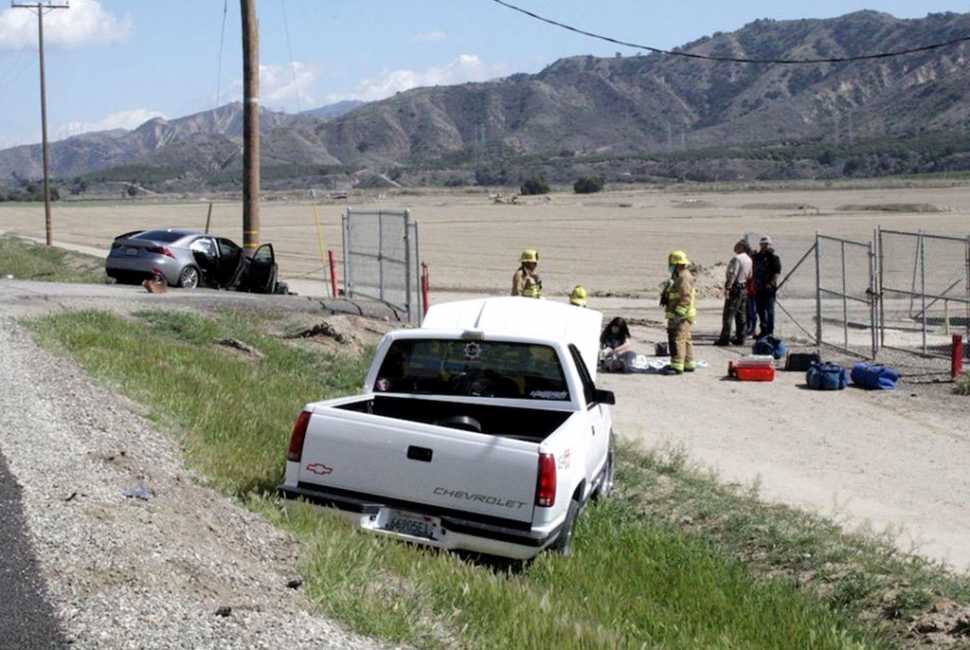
(767, 270)
(735, 296)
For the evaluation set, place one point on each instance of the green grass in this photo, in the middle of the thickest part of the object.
(673, 559)
(961, 385)
(234, 412)
(25, 260)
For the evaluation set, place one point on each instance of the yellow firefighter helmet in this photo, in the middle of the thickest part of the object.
(578, 296)
(529, 255)
(677, 258)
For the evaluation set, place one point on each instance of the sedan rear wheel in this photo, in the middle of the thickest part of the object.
(189, 277)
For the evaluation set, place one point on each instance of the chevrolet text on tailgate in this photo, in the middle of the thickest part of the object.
(482, 430)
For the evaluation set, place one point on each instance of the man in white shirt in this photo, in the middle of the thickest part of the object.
(735, 296)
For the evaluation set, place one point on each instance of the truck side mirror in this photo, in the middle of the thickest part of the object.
(605, 396)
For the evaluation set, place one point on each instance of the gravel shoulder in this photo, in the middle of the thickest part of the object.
(182, 568)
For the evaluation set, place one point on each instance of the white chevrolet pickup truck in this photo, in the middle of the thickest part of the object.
(482, 430)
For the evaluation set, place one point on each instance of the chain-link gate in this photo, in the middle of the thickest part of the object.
(381, 258)
(845, 303)
(925, 289)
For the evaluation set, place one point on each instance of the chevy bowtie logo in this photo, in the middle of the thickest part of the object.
(319, 468)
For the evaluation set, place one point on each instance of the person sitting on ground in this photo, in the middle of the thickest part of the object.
(615, 352)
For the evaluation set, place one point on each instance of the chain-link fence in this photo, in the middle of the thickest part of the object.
(845, 315)
(381, 258)
(925, 291)
(903, 291)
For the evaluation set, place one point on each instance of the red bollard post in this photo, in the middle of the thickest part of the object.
(333, 274)
(956, 356)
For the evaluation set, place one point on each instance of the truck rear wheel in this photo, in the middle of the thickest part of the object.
(564, 541)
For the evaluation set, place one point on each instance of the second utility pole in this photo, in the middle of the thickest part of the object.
(43, 110)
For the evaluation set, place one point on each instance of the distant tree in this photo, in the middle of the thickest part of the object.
(535, 185)
(589, 185)
(826, 158)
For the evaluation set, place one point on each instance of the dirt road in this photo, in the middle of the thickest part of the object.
(893, 461)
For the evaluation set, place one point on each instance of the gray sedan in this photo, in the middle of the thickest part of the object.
(188, 258)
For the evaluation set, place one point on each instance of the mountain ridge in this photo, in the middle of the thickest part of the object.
(583, 107)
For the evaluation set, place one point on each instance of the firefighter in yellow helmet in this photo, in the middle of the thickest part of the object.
(678, 301)
(526, 281)
(578, 296)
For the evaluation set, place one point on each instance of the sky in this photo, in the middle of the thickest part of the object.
(118, 63)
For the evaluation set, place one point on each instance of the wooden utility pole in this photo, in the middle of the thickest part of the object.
(39, 8)
(250, 30)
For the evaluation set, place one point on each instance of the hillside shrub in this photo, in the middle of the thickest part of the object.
(535, 185)
(589, 185)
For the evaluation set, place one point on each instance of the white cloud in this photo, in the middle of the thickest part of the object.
(429, 37)
(286, 85)
(130, 119)
(467, 67)
(84, 23)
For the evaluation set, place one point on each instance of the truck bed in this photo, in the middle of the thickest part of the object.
(529, 424)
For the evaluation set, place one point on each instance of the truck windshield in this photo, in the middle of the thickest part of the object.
(474, 368)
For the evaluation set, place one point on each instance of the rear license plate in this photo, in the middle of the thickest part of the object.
(409, 523)
(131, 252)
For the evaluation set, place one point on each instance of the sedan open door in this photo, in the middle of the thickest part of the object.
(261, 273)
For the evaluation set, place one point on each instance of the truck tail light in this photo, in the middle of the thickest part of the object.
(297, 437)
(546, 483)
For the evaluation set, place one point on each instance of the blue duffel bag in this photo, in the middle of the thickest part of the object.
(826, 376)
(769, 345)
(869, 376)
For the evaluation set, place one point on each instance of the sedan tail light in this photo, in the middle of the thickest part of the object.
(161, 250)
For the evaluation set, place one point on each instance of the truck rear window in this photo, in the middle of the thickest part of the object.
(474, 368)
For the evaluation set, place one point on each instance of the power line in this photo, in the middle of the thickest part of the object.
(729, 59)
(296, 85)
(222, 37)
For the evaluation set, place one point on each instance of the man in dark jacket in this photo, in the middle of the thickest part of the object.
(767, 271)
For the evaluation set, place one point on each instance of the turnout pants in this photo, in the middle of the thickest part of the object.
(681, 346)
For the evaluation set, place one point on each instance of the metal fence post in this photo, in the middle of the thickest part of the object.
(348, 267)
(882, 282)
(922, 289)
(380, 256)
(407, 264)
(873, 297)
(419, 271)
(818, 290)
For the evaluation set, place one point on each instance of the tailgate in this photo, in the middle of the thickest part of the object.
(387, 458)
